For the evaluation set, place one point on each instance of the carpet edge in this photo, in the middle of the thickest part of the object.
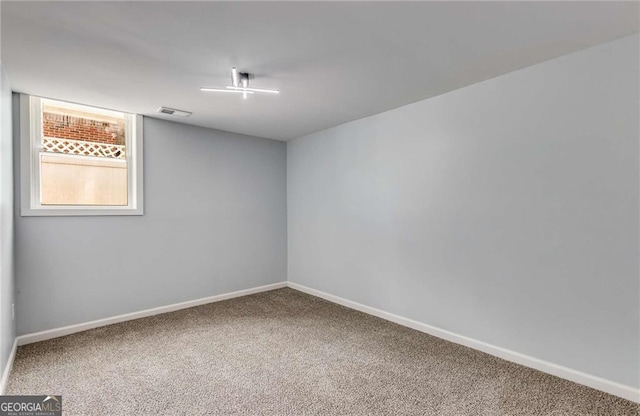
(597, 383)
(84, 326)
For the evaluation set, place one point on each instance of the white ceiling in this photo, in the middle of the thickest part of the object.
(334, 62)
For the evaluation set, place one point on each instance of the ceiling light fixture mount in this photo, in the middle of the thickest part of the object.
(239, 85)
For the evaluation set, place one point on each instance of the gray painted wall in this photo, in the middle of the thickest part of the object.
(214, 222)
(7, 325)
(506, 211)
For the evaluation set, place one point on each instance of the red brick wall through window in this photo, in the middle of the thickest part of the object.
(63, 126)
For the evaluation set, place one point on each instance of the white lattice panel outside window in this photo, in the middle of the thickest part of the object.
(82, 148)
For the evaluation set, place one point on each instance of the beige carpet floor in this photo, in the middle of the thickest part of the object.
(287, 353)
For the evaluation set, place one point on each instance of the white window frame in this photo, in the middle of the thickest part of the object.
(30, 143)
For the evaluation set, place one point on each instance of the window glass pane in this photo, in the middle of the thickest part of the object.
(82, 155)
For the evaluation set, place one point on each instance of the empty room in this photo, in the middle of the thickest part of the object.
(320, 208)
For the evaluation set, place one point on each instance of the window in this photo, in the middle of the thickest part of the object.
(79, 160)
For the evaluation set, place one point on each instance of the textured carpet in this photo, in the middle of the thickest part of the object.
(287, 353)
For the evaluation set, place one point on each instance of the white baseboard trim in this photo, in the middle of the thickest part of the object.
(8, 367)
(71, 329)
(620, 390)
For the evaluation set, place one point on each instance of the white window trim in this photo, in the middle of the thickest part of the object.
(30, 174)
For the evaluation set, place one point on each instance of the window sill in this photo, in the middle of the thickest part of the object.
(63, 211)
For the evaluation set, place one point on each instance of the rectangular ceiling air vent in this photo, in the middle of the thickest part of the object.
(173, 112)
